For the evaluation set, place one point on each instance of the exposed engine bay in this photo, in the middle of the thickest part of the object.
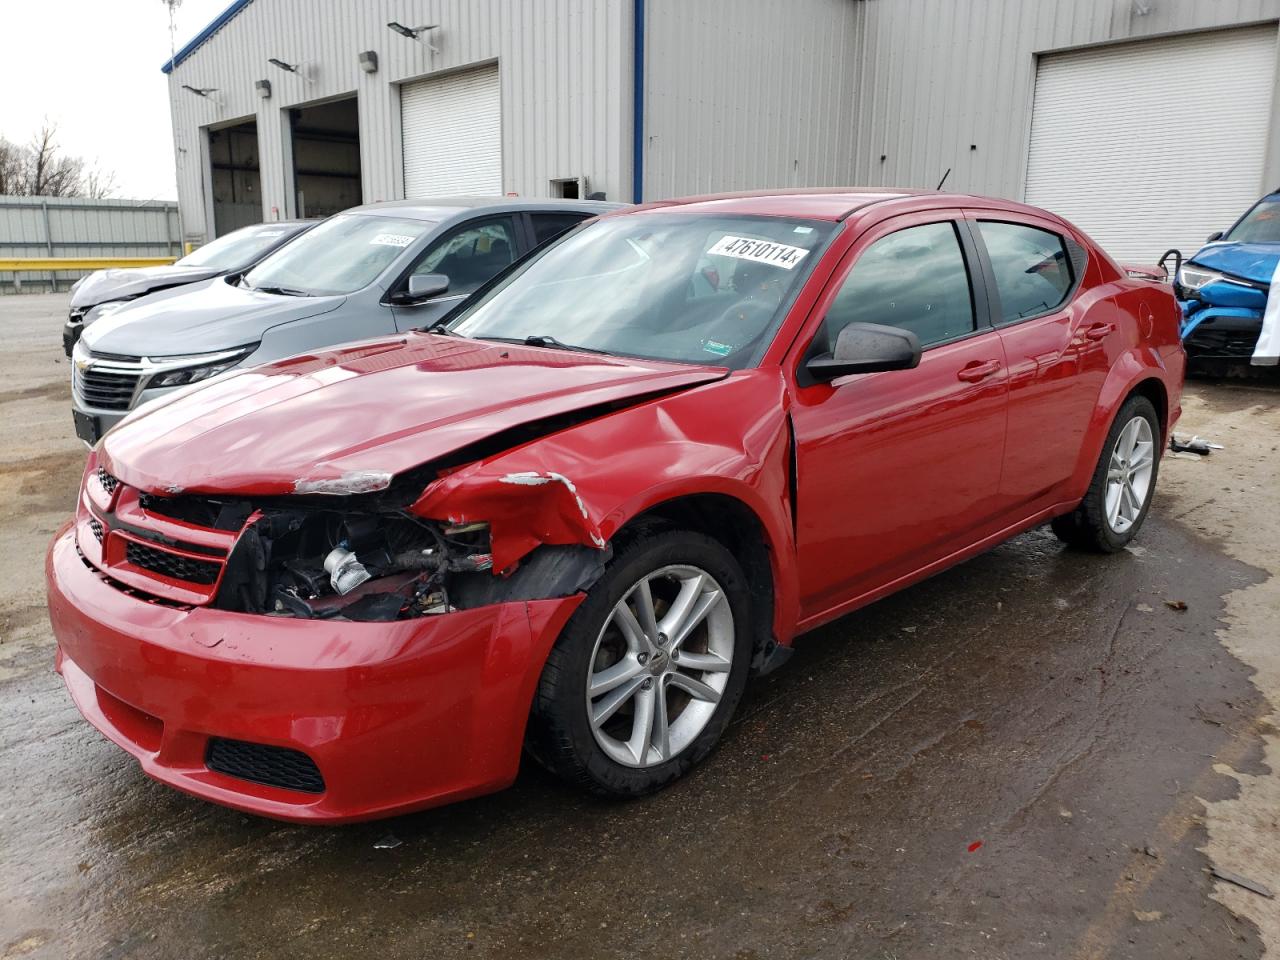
(366, 559)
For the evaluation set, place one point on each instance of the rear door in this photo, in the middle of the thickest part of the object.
(1057, 359)
(550, 224)
(899, 469)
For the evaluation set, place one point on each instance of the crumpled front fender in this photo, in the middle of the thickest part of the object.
(582, 485)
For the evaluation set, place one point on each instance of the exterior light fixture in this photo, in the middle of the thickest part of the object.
(369, 61)
(264, 88)
(415, 33)
(200, 91)
(291, 67)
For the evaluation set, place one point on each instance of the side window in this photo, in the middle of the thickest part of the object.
(915, 279)
(472, 255)
(548, 226)
(1032, 269)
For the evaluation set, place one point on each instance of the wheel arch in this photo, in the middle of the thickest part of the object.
(739, 527)
(1131, 376)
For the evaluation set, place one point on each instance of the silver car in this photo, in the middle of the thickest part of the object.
(371, 270)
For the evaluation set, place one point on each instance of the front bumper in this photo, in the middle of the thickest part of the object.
(396, 716)
(1219, 333)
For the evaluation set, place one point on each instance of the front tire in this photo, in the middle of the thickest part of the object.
(1123, 483)
(648, 671)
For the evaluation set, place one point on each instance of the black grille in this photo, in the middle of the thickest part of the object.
(108, 481)
(96, 526)
(260, 763)
(106, 391)
(171, 564)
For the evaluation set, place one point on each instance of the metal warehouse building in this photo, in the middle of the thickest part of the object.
(1148, 122)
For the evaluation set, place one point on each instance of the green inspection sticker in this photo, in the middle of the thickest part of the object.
(719, 349)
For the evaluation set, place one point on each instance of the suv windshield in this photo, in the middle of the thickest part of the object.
(237, 248)
(1260, 225)
(342, 255)
(666, 286)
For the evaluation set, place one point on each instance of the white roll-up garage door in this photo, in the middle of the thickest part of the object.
(1156, 143)
(452, 133)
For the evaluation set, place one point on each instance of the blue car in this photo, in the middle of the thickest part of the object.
(1223, 292)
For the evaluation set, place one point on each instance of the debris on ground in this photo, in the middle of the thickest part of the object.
(1151, 852)
(1148, 916)
(1206, 718)
(1176, 604)
(1197, 445)
(1251, 885)
(1145, 608)
(389, 842)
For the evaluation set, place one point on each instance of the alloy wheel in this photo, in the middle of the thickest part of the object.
(1129, 474)
(660, 666)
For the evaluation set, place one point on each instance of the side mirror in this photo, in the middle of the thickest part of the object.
(422, 286)
(867, 348)
(1216, 235)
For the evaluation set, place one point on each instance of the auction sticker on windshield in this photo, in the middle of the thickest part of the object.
(392, 240)
(759, 251)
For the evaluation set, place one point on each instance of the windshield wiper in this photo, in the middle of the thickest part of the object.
(282, 291)
(440, 328)
(544, 340)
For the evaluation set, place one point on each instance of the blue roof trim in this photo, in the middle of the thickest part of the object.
(198, 40)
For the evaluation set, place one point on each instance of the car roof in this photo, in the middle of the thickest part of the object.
(437, 209)
(834, 203)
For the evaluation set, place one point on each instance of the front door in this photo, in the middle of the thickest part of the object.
(469, 256)
(896, 470)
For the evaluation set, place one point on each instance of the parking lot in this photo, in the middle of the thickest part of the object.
(1038, 753)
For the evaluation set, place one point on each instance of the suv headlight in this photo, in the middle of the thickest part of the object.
(1193, 278)
(180, 371)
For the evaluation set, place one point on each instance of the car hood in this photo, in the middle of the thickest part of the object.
(1250, 261)
(104, 285)
(347, 420)
(213, 315)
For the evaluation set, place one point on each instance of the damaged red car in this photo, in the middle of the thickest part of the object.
(576, 518)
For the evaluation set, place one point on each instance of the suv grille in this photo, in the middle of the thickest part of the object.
(104, 390)
(108, 482)
(172, 565)
(260, 763)
(96, 526)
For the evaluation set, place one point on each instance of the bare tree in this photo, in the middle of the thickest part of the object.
(40, 170)
(12, 167)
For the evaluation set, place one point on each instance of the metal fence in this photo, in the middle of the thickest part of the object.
(67, 227)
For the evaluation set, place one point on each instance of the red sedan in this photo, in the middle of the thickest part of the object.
(581, 514)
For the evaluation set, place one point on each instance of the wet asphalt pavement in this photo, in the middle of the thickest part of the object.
(1006, 761)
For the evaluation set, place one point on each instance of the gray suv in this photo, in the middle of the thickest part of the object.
(368, 271)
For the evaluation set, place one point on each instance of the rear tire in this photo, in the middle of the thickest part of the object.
(1122, 486)
(608, 673)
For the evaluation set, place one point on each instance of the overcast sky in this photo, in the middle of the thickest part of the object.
(93, 67)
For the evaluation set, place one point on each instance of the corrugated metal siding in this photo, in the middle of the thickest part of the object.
(936, 77)
(84, 228)
(1170, 169)
(564, 64)
(749, 94)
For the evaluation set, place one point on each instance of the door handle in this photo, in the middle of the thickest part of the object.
(1099, 331)
(978, 370)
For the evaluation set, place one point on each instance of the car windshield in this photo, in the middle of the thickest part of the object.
(1260, 225)
(238, 248)
(665, 286)
(342, 255)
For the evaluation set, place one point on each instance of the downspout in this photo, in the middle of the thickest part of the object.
(637, 106)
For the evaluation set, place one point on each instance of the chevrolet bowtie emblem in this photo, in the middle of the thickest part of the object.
(82, 365)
